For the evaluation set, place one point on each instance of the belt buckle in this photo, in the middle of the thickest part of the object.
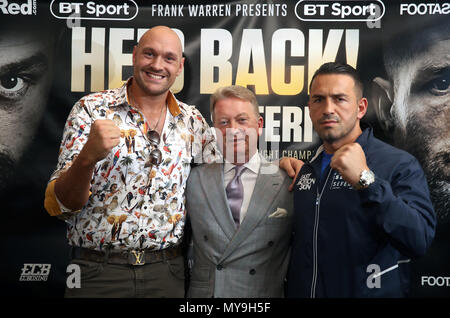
(136, 258)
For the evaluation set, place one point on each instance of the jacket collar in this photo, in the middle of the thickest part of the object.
(365, 137)
(362, 139)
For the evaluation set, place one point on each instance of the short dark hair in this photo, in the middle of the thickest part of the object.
(338, 68)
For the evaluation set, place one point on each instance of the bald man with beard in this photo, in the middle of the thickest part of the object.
(142, 257)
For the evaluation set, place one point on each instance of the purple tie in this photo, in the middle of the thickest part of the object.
(235, 194)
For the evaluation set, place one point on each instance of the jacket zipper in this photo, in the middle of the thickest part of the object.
(315, 235)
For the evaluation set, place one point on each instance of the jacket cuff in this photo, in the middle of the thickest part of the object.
(376, 192)
(379, 195)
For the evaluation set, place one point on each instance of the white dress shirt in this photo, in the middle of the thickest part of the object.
(248, 179)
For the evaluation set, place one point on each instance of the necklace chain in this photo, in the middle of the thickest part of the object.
(160, 114)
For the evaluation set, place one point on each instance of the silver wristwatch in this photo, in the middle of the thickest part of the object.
(366, 178)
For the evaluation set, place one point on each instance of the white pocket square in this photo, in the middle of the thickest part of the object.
(280, 212)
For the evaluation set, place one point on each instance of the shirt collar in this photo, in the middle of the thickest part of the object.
(172, 103)
(253, 164)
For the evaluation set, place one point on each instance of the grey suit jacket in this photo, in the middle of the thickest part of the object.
(251, 261)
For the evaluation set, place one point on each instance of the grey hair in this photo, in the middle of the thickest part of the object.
(233, 91)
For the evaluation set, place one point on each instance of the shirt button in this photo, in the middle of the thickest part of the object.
(270, 243)
(252, 272)
(219, 267)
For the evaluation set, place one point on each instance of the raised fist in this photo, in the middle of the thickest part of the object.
(349, 161)
(103, 137)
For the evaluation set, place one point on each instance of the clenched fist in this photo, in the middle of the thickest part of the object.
(349, 161)
(103, 137)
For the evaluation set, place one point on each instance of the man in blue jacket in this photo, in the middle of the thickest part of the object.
(362, 207)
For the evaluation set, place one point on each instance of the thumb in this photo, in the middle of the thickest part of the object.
(286, 165)
(291, 186)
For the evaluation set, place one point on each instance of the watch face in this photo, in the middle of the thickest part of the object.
(367, 177)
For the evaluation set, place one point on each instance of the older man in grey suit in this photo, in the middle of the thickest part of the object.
(240, 210)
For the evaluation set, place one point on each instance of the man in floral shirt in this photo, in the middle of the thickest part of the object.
(119, 183)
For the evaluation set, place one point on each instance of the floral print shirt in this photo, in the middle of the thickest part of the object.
(134, 205)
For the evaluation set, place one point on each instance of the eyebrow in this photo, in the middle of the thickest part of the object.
(36, 62)
(234, 116)
(165, 53)
(433, 69)
(333, 95)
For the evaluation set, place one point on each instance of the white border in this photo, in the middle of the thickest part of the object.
(81, 18)
(340, 20)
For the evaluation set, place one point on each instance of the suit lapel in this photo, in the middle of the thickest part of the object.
(212, 182)
(266, 189)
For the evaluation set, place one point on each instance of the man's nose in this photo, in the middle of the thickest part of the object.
(234, 126)
(328, 107)
(233, 129)
(157, 63)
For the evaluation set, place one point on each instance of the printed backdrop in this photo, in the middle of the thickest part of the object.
(54, 52)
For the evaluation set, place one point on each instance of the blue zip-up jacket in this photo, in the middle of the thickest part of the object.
(350, 243)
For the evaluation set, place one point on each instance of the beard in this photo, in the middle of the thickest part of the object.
(332, 135)
(327, 135)
(6, 170)
(439, 190)
(150, 91)
(419, 141)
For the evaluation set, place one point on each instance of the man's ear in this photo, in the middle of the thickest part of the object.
(382, 97)
(180, 66)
